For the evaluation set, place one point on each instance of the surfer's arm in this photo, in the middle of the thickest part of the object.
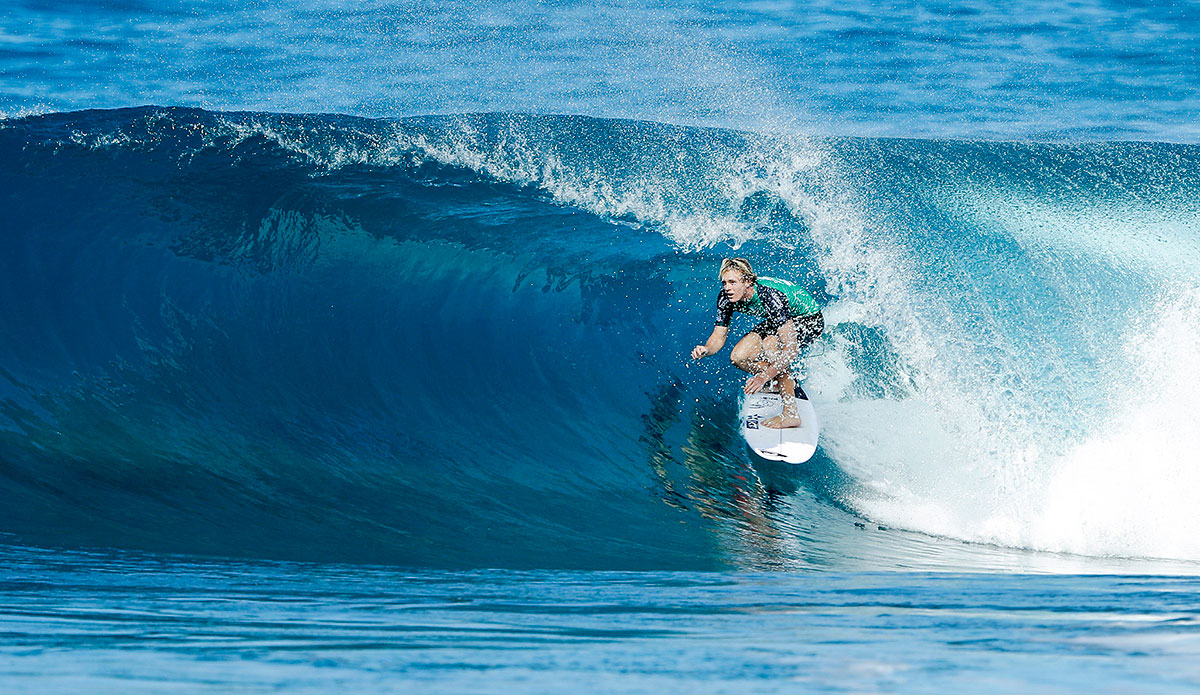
(713, 345)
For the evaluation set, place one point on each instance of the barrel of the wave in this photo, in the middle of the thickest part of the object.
(778, 421)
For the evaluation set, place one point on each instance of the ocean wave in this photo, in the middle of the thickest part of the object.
(461, 340)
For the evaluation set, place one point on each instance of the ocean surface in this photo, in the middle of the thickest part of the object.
(345, 348)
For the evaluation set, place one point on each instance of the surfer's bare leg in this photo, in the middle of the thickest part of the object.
(780, 350)
(790, 417)
(747, 355)
(751, 356)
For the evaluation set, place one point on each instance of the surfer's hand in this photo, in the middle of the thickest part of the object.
(755, 383)
(699, 351)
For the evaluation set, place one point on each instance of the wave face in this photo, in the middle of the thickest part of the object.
(462, 341)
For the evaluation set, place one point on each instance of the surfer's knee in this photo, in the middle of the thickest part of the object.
(745, 357)
(747, 349)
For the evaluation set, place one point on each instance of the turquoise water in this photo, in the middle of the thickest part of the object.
(346, 348)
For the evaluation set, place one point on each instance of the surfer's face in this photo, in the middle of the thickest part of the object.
(735, 286)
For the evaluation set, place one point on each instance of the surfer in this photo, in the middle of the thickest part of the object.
(791, 320)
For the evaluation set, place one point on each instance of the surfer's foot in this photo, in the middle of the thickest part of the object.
(781, 422)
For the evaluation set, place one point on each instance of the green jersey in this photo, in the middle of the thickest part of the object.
(774, 299)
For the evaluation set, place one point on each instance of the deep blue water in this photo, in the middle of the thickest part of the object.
(346, 348)
(1092, 69)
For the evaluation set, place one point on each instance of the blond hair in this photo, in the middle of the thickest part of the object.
(739, 265)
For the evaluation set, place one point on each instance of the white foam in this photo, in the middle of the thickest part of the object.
(1131, 489)
(1111, 473)
(1127, 490)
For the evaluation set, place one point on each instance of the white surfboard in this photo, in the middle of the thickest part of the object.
(791, 445)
